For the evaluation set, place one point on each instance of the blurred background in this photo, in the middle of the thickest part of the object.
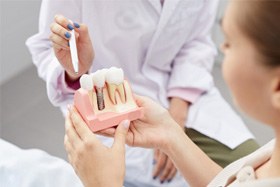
(27, 118)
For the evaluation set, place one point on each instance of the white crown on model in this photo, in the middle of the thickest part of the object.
(114, 78)
(86, 82)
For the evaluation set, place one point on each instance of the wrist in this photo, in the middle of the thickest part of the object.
(171, 138)
(73, 83)
(104, 182)
(176, 101)
(179, 110)
(71, 77)
(177, 135)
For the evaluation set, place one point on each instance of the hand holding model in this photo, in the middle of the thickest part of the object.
(83, 147)
(156, 120)
(85, 152)
(60, 36)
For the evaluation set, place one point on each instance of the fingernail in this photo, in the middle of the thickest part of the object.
(154, 177)
(68, 44)
(154, 162)
(169, 180)
(76, 25)
(126, 124)
(161, 182)
(69, 26)
(67, 35)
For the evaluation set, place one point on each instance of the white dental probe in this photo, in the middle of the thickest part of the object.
(73, 51)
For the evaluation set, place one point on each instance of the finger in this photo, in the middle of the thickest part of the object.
(57, 48)
(139, 100)
(156, 154)
(110, 132)
(172, 174)
(161, 161)
(64, 22)
(130, 136)
(166, 170)
(70, 160)
(144, 102)
(60, 31)
(71, 135)
(68, 148)
(120, 135)
(59, 41)
(67, 145)
(80, 126)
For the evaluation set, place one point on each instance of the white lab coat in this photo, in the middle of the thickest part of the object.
(159, 49)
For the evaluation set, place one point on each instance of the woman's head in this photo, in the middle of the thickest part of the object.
(252, 57)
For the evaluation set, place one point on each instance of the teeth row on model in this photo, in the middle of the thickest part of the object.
(114, 77)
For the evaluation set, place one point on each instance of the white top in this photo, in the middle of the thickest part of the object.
(241, 173)
(159, 49)
(34, 168)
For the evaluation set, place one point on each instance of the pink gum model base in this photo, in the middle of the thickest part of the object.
(100, 121)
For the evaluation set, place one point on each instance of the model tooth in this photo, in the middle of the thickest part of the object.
(98, 79)
(104, 71)
(86, 82)
(111, 91)
(121, 91)
(115, 78)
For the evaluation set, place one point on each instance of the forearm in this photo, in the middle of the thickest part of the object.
(179, 110)
(196, 167)
(183, 104)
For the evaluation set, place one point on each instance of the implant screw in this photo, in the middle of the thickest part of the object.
(100, 99)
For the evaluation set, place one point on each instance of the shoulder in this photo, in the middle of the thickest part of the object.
(253, 160)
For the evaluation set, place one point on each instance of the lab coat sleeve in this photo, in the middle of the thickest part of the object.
(40, 47)
(187, 94)
(194, 62)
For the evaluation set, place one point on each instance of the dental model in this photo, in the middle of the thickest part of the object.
(115, 79)
(105, 99)
(98, 79)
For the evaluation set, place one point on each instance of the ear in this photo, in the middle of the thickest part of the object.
(276, 92)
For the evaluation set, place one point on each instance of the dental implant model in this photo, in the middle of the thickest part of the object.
(105, 99)
(115, 79)
(98, 79)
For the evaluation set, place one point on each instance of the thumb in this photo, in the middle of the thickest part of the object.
(140, 100)
(120, 134)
